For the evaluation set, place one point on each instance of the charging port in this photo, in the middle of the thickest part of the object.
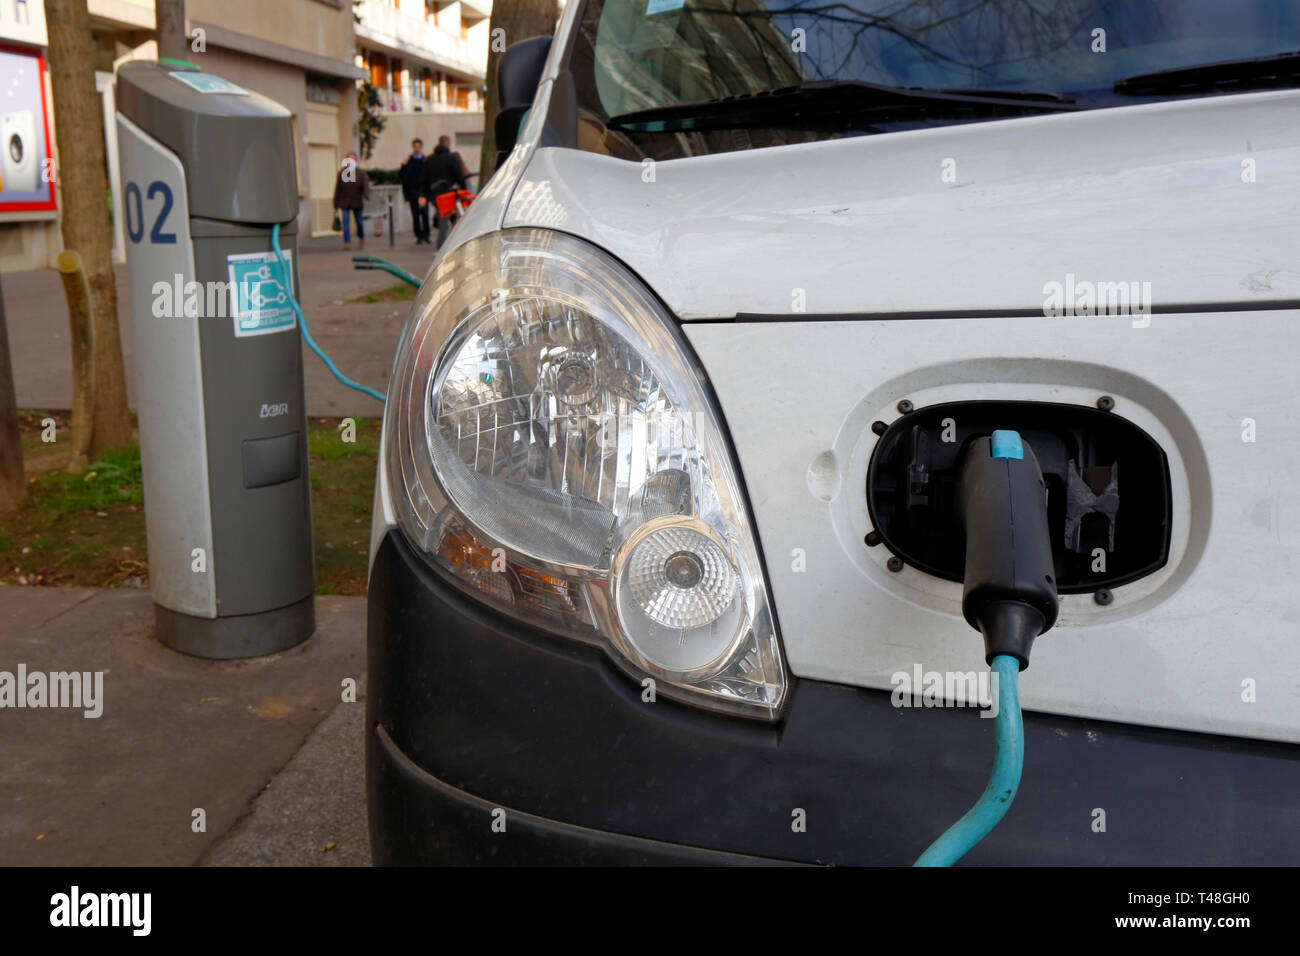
(1108, 489)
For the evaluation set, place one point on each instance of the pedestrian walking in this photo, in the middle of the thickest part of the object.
(464, 170)
(442, 174)
(351, 190)
(411, 176)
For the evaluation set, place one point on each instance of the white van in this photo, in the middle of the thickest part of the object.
(668, 557)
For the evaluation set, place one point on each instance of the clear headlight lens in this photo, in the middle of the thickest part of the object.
(551, 447)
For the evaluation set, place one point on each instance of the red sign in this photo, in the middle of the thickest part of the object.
(27, 173)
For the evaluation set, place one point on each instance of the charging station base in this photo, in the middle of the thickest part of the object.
(230, 638)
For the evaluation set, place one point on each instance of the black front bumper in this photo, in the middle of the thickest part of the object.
(474, 721)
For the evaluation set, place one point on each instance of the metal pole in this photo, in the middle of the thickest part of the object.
(391, 238)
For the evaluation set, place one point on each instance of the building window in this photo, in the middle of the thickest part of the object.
(323, 89)
(379, 70)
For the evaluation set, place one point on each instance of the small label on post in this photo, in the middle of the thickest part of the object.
(207, 83)
(260, 293)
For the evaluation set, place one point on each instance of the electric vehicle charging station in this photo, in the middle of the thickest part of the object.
(208, 170)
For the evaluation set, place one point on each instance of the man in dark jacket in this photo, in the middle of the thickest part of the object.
(411, 176)
(351, 190)
(441, 175)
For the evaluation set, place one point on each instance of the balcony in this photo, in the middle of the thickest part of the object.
(417, 39)
(458, 99)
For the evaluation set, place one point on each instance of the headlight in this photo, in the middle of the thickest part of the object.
(550, 446)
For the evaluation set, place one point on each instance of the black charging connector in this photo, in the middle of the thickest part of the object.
(1010, 598)
(1010, 589)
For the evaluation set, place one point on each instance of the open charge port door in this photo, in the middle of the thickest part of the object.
(1108, 489)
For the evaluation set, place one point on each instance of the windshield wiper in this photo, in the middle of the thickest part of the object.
(1280, 68)
(818, 99)
(1019, 95)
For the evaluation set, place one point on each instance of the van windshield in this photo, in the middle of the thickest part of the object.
(649, 71)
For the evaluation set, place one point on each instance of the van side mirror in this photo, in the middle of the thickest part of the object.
(518, 74)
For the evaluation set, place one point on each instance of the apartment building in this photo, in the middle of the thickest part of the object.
(300, 53)
(428, 61)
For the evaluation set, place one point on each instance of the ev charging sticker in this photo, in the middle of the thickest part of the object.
(259, 293)
(207, 83)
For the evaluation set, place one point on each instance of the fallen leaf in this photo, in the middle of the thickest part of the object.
(271, 707)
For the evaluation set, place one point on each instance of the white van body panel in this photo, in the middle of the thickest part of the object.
(868, 224)
(1179, 648)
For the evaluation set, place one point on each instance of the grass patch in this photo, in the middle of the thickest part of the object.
(401, 292)
(114, 478)
(89, 530)
(37, 430)
(342, 492)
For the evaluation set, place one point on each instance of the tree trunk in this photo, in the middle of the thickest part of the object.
(12, 484)
(87, 229)
(173, 41)
(77, 291)
(520, 20)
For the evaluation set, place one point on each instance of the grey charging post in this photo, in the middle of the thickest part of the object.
(207, 169)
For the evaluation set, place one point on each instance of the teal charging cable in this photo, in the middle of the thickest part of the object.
(302, 322)
(1008, 760)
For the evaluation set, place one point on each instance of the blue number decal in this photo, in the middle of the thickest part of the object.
(134, 229)
(157, 235)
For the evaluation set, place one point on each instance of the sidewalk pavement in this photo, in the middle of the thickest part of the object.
(360, 337)
(265, 747)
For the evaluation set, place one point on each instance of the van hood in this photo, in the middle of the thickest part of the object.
(1198, 197)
